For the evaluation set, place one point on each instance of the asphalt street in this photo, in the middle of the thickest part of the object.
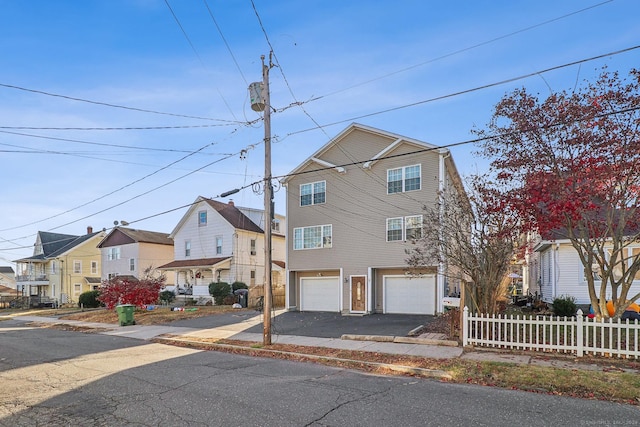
(60, 378)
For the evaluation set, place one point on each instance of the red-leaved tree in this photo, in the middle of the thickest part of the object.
(572, 166)
(129, 290)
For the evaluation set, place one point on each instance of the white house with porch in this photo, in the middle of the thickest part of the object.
(221, 242)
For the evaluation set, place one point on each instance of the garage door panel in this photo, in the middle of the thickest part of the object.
(404, 295)
(320, 294)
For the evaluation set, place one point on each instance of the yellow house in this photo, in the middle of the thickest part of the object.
(62, 267)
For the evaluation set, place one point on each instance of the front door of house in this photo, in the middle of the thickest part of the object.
(358, 293)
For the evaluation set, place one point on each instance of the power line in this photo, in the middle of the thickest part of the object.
(413, 104)
(101, 144)
(447, 146)
(229, 123)
(106, 104)
(225, 42)
(475, 89)
(504, 36)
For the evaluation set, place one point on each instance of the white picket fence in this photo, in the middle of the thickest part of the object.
(577, 335)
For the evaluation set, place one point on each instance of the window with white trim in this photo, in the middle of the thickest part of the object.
(77, 288)
(113, 253)
(252, 244)
(202, 218)
(219, 245)
(77, 266)
(187, 248)
(404, 228)
(315, 237)
(132, 264)
(404, 179)
(94, 267)
(313, 193)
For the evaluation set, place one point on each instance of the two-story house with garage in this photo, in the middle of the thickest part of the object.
(222, 242)
(353, 209)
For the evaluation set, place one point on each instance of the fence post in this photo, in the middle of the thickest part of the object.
(580, 334)
(465, 326)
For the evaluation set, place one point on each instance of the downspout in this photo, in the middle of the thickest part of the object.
(441, 265)
(554, 280)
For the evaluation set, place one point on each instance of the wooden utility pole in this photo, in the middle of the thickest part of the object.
(268, 200)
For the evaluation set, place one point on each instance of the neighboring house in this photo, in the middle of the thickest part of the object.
(556, 268)
(62, 267)
(7, 277)
(351, 220)
(220, 242)
(130, 252)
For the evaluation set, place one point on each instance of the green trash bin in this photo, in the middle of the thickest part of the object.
(125, 314)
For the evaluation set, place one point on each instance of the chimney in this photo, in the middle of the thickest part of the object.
(89, 229)
(231, 202)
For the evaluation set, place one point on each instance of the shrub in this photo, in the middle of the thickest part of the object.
(219, 290)
(167, 296)
(564, 306)
(89, 299)
(123, 290)
(238, 285)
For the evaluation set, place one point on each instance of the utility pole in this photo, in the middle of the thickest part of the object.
(263, 103)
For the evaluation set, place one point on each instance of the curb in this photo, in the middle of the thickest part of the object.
(421, 372)
(399, 340)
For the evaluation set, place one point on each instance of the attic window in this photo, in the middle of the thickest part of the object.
(202, 218)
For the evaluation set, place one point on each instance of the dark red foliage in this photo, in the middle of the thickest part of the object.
(128, 290)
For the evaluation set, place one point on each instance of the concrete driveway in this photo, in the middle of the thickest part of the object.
(317, 324)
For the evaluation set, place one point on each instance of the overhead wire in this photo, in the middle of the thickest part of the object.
(120, 128)
(466, 49)
(463, 92)
(106, 104)
(391, 156)
(196, 53)
(100, 144)
(224, 39)
(413, 104)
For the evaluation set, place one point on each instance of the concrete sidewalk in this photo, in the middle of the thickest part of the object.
(236, 332)
(378, 344)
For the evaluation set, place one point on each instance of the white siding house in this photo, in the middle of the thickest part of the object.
(560, 272)
(220, 242)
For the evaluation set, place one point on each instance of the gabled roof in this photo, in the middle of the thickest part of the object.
(131, 235)
(6, 270)
(234, 216)
(74, 243)
(53, 242)
(397, 140)
(228, 211)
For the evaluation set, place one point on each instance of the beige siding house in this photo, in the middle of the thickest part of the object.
(221, 242)
(62, 267)
(353, 208)
(130, 252)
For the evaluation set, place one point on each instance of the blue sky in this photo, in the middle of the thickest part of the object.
(68, 164)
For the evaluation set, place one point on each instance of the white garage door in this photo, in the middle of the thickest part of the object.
(404, 295)
(320, 294)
